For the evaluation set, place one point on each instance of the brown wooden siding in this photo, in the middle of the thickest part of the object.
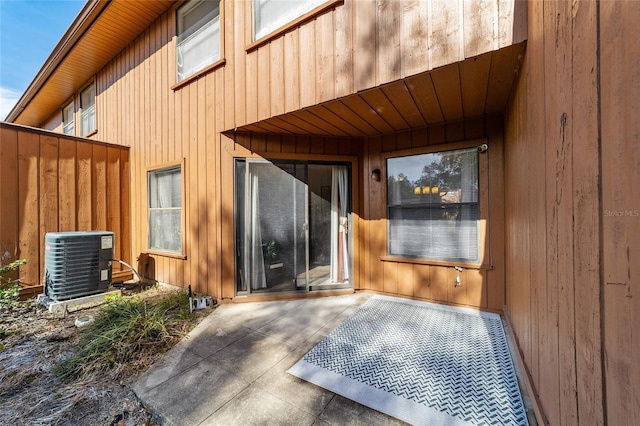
(55, 183)
(571, 159)
(482, 287)
(363, 44)
(620, 147)
(564, 229)
(320, 60)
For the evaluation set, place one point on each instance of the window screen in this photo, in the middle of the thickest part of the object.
(432, 206)
(198, 36)
(165, 209)
(88, 107)
(67, 119)
(269, 15)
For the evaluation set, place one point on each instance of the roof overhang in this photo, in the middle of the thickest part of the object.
(100, 31)
(474, 88)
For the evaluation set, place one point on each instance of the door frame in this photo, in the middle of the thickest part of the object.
(353, 164)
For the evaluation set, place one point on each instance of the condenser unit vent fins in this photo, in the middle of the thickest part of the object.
(77, 264)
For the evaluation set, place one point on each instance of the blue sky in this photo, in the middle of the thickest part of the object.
(29, 30)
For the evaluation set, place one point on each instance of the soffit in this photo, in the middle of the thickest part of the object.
(99, 33)
(472, 88)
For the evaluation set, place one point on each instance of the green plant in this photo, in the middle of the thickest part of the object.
(271, 249)
(179, 304)
(9, 290)
(174, 301)
(124, 329)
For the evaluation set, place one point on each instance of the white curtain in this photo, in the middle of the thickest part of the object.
(88, 110)
(339, 224)
(199, 50)
(254, 248)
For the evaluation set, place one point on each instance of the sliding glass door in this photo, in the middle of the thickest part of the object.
(291, 226)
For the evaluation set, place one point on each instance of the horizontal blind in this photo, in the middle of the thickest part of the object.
(433, 209)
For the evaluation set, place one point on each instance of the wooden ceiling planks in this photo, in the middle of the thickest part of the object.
(469, 89)
(308, 128)
(474, 77)
(422, 91)
(93, 50)
(505, 65)
(287, 126)
(326, 112)
(399, 95)
(319, 123)
(446, 83)
(379, 102)
(361, 108)
(339, 108)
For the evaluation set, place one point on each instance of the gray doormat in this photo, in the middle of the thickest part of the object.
(420, 362)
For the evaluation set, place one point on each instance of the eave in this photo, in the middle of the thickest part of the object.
(93, 39)
(474, 88)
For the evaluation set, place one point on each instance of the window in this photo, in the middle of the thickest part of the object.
(165, 209)
(432, 206)
(198, 36)
(88, 110)
(67, 119)
(269, 15)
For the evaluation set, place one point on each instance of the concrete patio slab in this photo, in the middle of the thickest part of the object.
(231, 370)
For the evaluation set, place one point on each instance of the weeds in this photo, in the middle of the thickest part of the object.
(9, 290)
(124, 329)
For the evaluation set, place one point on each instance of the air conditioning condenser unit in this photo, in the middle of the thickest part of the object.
(77, 264)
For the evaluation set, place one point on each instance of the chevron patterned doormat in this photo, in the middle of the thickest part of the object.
(423, 363)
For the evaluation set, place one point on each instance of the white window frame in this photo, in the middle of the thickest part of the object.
(68, 126)
(278, 14)
(88, 111)
(423, 218)
(176, 246)
(207, 35)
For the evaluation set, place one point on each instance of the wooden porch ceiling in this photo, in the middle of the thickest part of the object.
(472, 88)
(102, 29)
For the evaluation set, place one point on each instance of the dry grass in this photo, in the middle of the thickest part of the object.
(54, 373)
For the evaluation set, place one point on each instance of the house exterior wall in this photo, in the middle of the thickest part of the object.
(57, 183)
(571, 163)
(482, 287)
(350, 47)
(564, 159)
(620, 214)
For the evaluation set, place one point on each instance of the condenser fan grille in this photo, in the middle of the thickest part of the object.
(77, 264)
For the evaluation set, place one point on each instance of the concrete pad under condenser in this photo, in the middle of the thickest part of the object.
(64, 305)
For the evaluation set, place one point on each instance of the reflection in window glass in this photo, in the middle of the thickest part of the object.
(88, 107)
(432, 206)
(67, 119)
(165, 209)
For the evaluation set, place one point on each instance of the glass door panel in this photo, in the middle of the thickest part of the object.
(290, 226)
(319, 224)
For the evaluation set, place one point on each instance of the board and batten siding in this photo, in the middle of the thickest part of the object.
(620, 147)
(56, 183)
(358, 45)
(572, 162)
(350, 47)
(482, 287)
